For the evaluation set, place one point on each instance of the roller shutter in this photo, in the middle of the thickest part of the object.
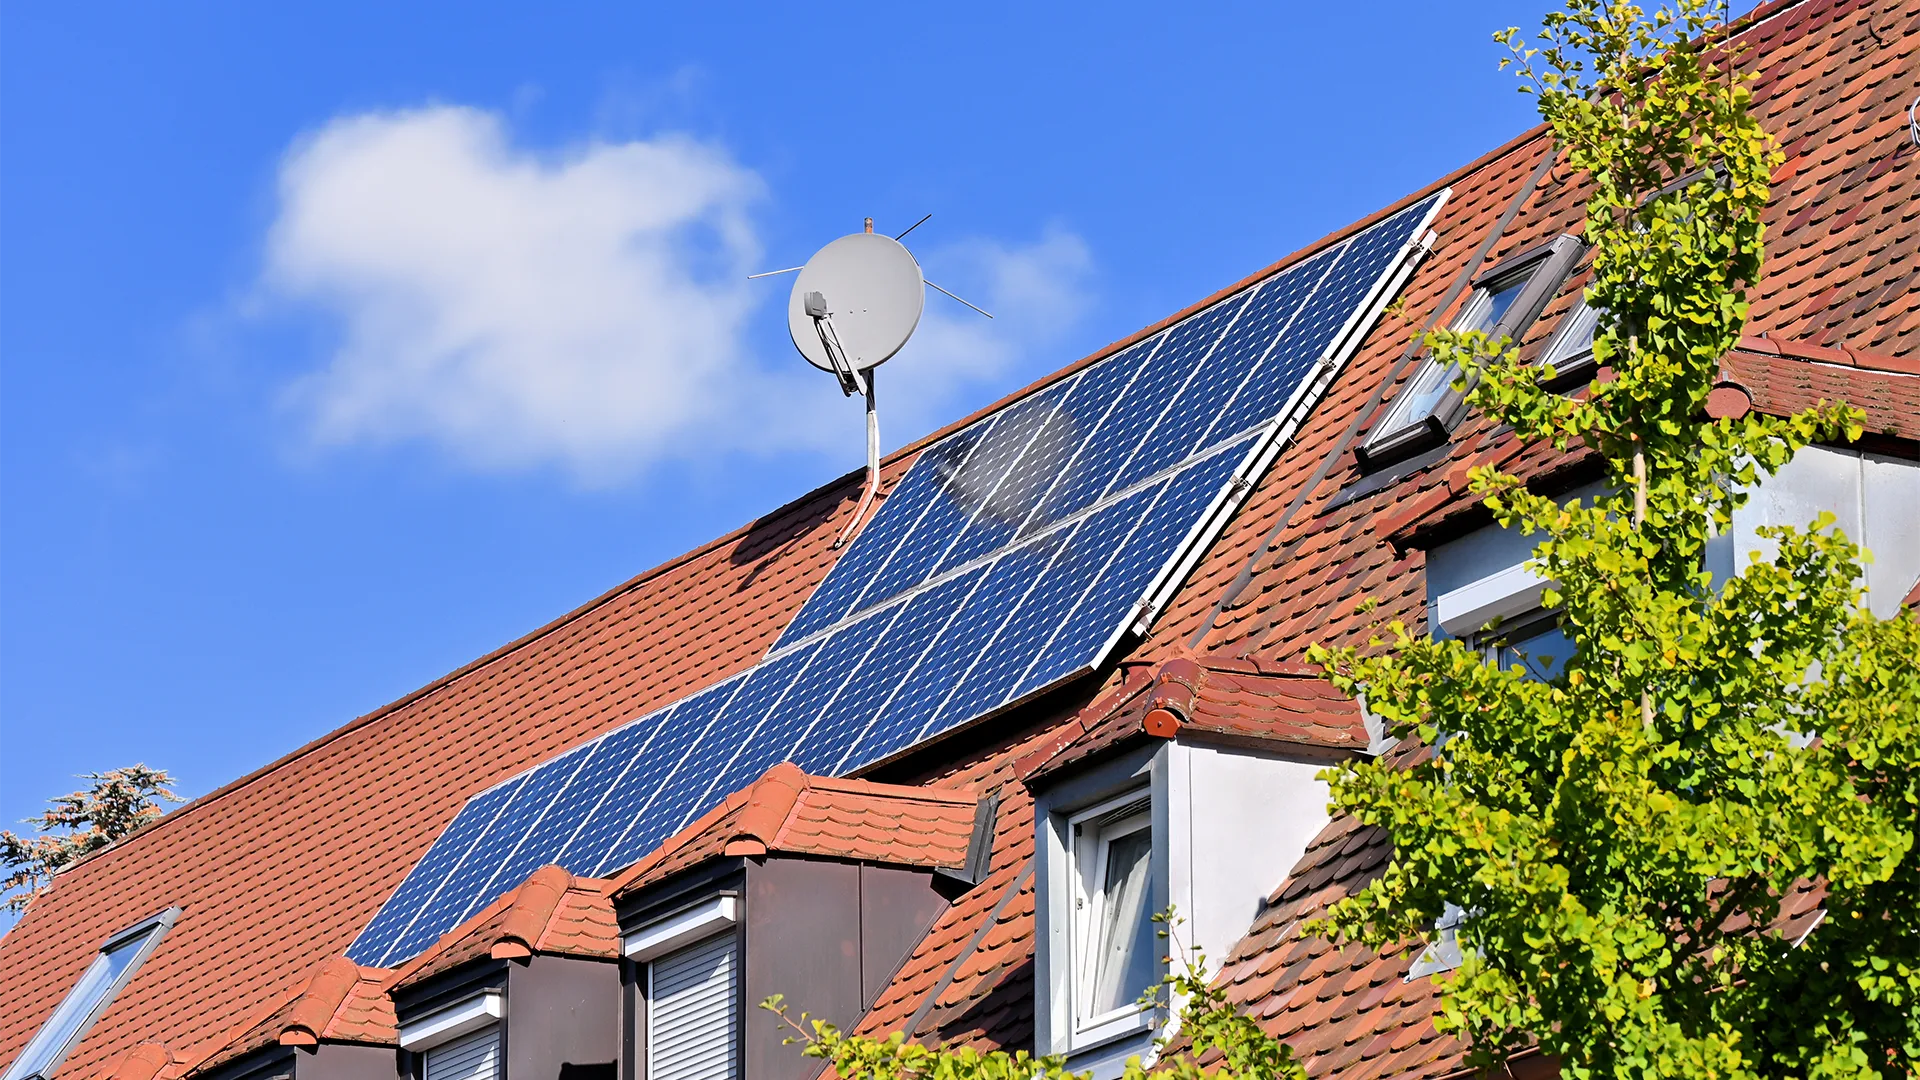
(693, 1012)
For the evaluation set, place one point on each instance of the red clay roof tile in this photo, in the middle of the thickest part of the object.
(787, 811)
(551, 912)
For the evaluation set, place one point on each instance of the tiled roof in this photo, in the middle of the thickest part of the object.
(1785, 378)
(551, 913)
(142, 1062)
(279, 870)
(789, 812)
(340, 1002)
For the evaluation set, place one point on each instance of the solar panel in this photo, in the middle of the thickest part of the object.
(1015, 554)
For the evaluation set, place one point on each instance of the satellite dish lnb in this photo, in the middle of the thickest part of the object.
(855, 303)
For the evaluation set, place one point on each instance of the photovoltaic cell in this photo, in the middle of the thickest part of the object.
(1012, 556)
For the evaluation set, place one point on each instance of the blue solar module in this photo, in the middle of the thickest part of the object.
(430, 873)
(1014, 555)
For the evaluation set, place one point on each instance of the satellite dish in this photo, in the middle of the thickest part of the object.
(855, 303)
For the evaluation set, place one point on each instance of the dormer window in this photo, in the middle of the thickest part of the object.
(1123, 833)
(1114, 941)
(1505, 301)
(112, 968)
(693, 992)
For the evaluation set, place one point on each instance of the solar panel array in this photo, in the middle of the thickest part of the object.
(1014, 554)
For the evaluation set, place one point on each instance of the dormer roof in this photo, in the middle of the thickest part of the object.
(788, 812)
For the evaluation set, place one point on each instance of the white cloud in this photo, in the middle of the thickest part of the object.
(589, 310)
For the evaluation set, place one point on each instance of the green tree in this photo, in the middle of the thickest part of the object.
(1622, 837)
(120, 802)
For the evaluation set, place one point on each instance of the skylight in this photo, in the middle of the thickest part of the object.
(119, 957)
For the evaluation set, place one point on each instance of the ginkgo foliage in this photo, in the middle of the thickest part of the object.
(1625, 836)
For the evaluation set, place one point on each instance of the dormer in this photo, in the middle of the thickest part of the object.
(337, 1025)
(527, 988)
(813, 888)
(1143, 804)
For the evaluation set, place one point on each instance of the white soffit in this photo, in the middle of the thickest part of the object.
(451, 1023)
(690, 925)
(1513, 591)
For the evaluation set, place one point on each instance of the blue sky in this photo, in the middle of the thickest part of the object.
(342, 343)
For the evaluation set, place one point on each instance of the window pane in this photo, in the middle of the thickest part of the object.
(1123, 960)
(1543, 652)
(1576, 340)
(1482, 312)
(1488, 315)
(1418, 402)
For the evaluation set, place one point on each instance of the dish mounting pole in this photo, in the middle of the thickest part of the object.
(852, 381)
(873, 467)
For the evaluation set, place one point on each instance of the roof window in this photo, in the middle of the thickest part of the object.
(1443, 952)
(1571, 353)
(1505, 301)
(119, 957)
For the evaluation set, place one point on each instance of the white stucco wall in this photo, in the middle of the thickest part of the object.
(1241, 822)
(1875, 498)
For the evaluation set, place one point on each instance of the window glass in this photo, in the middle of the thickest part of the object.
(1443, 954)
(103, 978)
(1113, 913)
(1483, 312)
(1575, 341)
(1123, 954)
(1537, 644)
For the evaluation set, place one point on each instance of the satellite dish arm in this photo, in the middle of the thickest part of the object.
(873, 467)
(850, 381)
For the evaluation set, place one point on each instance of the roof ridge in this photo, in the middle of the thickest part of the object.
(314, 1007)
(535, 901)
(1837, 355)
(879, 789)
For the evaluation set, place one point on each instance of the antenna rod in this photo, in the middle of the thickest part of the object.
(970, 304)
(911, 227)
(771, 273)
(873, 466)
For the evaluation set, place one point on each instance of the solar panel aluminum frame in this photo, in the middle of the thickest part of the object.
(1279, 432)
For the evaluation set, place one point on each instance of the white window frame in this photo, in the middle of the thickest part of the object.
(1443, 952)
(1089, 840)
(443, 1026)
(688, 929)
(89, 997)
